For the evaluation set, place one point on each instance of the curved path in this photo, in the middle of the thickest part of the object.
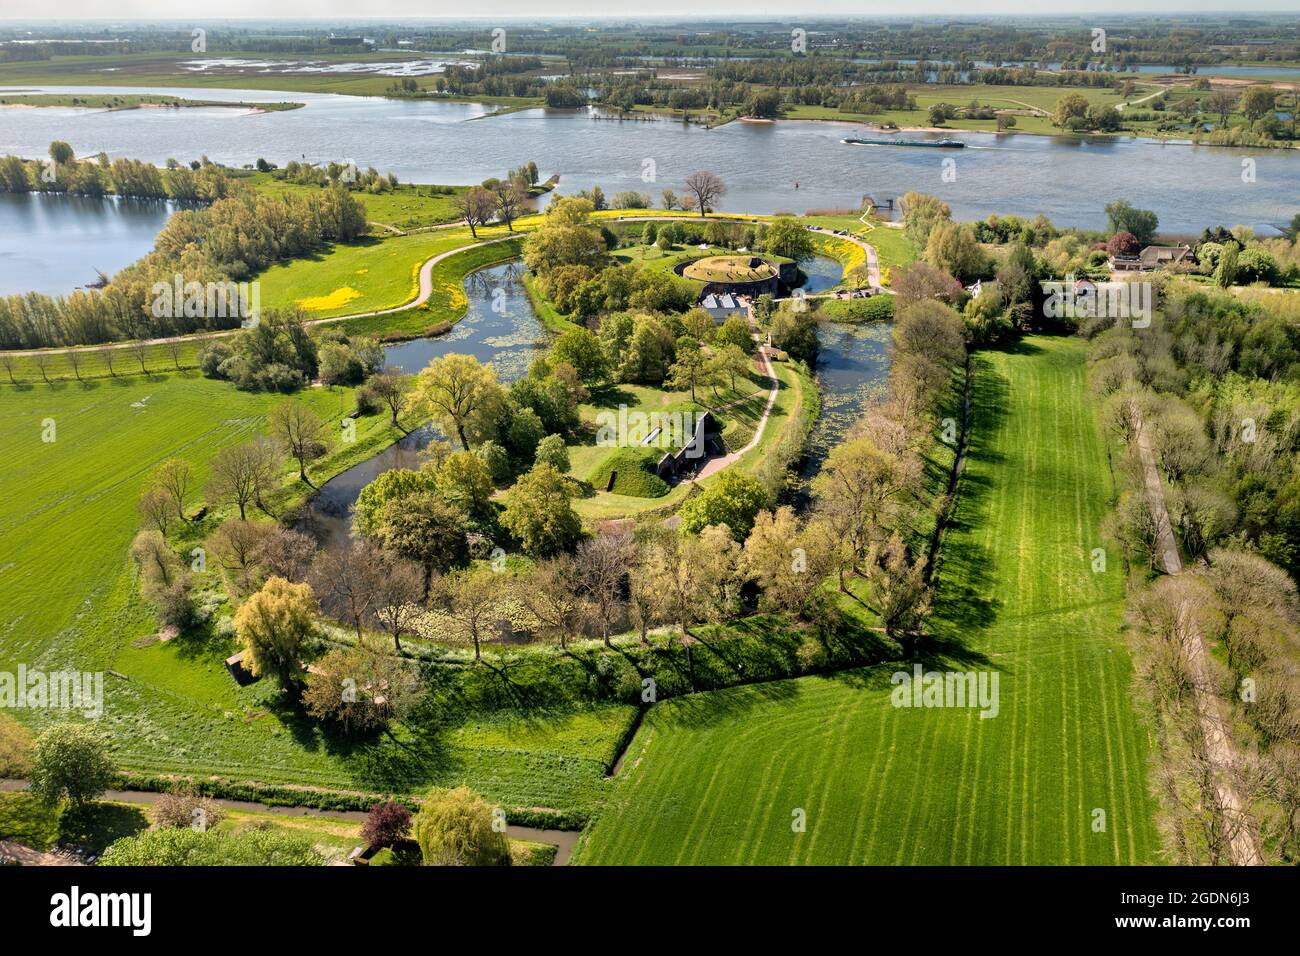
(562, 840)
(425, 289)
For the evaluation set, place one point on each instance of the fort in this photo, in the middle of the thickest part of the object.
(740, 275)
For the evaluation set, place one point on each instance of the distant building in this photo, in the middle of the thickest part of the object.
(1150, 258)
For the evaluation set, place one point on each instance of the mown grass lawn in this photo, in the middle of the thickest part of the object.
(717, 778)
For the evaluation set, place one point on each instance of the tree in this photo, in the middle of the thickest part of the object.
(456, 389)
(237, 476)
(602, 564)
(387, 824)
(175, 477)
(552, 451)
(467, 608)
(539, 513)
(1221, 104)
(735, 331)
(70, 763)
(566, 237)
(550, 595)
(1123, 244)
(896, 587)
(707, 188)
(396, 606)
(921, 282)
(858, 494)
(785, 237)
(953, 248)
(921, 213)
(423, 528)
(384, 488)
(156, 507)
(458, 828)
(236, 547)
(274, 626)
(732, 498)
(786, 560)
(728, 363)
(1070, 110)
(61, 152)
(393, 389)
(510, 198)
(1225, 274)
(359, 690)
(1123, 217)
(1258, 101)
(464, 481)
(581, 349)
(301, 433)
(476, 206)
(691, 370)
(346, 580)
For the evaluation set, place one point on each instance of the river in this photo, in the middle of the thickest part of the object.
(1067, 178)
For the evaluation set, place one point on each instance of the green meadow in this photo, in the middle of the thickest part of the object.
(1058, 776)
(69, 597)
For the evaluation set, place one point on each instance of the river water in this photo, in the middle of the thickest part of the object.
(1068, 179)
(500, 327)
(51, 243)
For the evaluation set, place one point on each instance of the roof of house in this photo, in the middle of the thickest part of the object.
(1158, 255)
(724, 300)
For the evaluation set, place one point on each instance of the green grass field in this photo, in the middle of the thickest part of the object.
(68, 590)
(716, 778)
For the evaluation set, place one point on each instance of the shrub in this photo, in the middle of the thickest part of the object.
(553, 451)
(70, 762)
(185, 847)
(456, 828)
(212, 357)
(182, 808)
(16, 748)
(386, 824)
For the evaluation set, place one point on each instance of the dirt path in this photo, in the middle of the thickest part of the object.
(1244, 840)
(562, 840)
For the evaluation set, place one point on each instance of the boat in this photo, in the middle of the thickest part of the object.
(932, 143)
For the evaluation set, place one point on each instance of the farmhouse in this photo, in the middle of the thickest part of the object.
(1150, 258)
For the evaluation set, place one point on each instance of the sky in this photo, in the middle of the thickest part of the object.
(541, 9)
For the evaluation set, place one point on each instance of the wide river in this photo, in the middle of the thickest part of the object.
(1068, 179)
